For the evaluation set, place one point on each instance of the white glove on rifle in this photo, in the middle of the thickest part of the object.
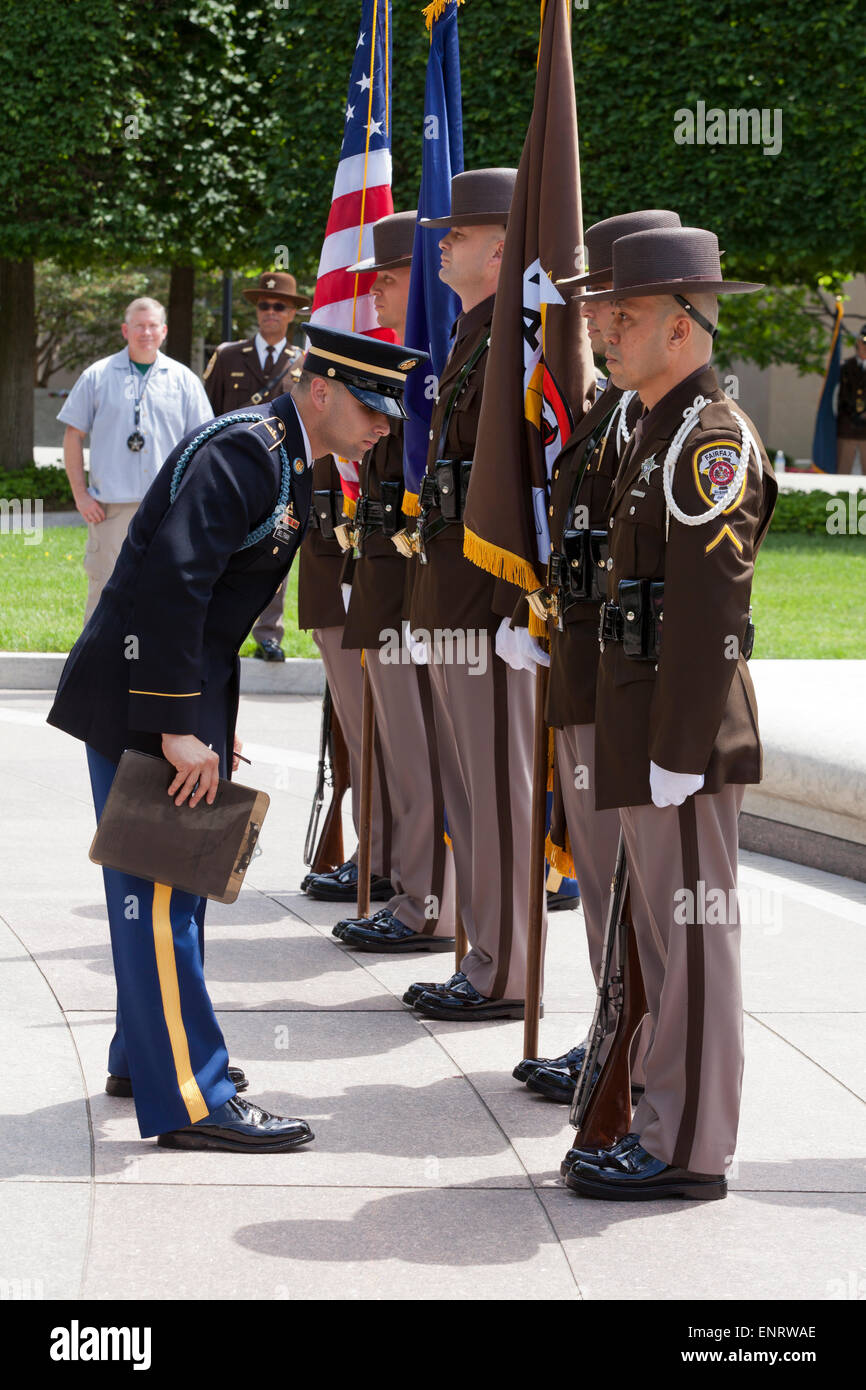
(346, 591)
(417, 650)
(517, 649)
(672, 788)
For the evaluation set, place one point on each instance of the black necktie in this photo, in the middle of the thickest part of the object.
(269, 362)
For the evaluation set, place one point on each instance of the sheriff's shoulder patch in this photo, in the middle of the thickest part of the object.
(714, 466)
(210, 366)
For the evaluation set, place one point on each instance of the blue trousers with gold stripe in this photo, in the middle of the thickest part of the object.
(167, 1040)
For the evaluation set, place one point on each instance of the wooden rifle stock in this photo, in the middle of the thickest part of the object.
(328, 853)
(601, 1112)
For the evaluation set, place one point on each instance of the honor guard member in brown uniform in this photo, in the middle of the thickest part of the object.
(420, 915)
(676, 720)
(483, 708)
(577, 581)
(253, 371)
(156, 669)
(321, 607)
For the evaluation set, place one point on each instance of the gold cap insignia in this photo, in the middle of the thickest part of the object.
(408, 364)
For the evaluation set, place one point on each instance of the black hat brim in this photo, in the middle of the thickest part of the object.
(376, 400)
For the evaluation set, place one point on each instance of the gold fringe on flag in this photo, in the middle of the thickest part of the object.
(411, 505)
(559, 858)
(504, 564)
(435, 11)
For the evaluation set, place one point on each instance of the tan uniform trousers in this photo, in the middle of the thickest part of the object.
(690, 961)
(422, 866)
(345, 677)
(104, 542)
(484, 724)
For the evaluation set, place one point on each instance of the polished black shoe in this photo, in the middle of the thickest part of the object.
(562, 902)
(269, 650)
(530, 1065)
(341, 886)
(240, 1127)
(385, 932)
(464, 1002)
(555, 1084)
(122, 1085)
(432, 987)
(633, 1175)
(596, 1156)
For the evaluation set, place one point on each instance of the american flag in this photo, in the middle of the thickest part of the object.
(362, 194)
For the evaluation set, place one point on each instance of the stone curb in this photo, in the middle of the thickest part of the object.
(297, 675)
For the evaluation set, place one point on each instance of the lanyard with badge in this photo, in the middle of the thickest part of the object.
(136, 441)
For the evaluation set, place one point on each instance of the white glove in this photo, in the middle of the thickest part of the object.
(346, 591)
(517, 649)
(417, 650)
(672, 788)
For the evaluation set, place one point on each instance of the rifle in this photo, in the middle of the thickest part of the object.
(327, 853)
(601, 1112)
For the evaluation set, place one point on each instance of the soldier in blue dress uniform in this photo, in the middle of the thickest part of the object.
(156, 669)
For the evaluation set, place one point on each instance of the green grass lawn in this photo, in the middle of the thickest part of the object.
(809, 597)
(43, 589)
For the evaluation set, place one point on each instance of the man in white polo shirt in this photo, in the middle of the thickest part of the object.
(135, 405)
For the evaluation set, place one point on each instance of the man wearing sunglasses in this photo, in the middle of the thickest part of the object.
(251, 372)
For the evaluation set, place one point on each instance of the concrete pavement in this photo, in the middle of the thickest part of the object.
(434, 1175)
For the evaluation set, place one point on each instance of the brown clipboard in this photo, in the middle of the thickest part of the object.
(204, 850)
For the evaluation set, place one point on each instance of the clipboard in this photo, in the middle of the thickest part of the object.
(204, 850)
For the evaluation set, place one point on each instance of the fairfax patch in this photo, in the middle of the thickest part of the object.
(715, 466)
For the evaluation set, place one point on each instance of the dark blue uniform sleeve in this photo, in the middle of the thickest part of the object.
(228, 488)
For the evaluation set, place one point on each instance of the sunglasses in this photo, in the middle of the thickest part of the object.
(276, 308)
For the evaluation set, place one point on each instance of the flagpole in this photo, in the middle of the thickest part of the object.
(538, 816)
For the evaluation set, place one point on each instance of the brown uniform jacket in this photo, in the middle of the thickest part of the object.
(449, 591)
(694, 710)
(574, 649)
(320, 602)
(233, 375)
(378, 573)
(851, 423)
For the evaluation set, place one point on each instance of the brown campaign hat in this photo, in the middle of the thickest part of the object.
(667, 260)
(479, 197)
(277, 284)
(601, 236)
(393, 239)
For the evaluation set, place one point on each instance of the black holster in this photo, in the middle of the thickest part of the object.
(636, 619)
(579, 570)
(325, 512)
(452, 482)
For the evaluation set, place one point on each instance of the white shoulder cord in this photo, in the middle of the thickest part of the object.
(690, 419)
(618, 422)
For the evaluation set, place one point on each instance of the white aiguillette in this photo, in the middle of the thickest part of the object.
(204, 850)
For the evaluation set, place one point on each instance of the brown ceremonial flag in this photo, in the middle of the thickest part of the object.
(540, 367)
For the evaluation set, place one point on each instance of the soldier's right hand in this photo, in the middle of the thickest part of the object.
(89, 509)
(198, 768)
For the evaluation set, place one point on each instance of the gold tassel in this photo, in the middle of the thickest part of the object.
(436, 10)
(411, 505)
(559, 858)
(504, 564)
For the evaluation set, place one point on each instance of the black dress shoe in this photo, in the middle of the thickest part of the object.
(240, 1127)
(555, 1084)
(269, 650)
(431, 987)
(122, 1085)
(387, 933)
(463, 1002)
(596, 1156)
(341, 886)
(562, 902)
(530, 1065)
(633, 1175)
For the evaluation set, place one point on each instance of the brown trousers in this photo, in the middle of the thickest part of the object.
(484, 725)
(847, 451)
(422, 866)
(345, 678)
(677, 857)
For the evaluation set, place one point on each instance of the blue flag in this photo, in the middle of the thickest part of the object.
(433, 306)
(824, 441)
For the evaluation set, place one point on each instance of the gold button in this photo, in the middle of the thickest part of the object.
(550, 511)
(276, 550)
(556, 472)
